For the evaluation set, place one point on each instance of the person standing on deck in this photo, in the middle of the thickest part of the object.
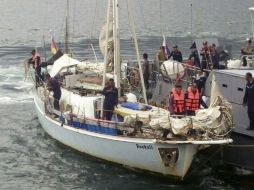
(161, 55)
(111, 99)
(214, 57)
(192, 100)
(146, 72)
(176, 54)
(35, 60)
(249, 99)
(176, 101)
(247, 50)
(200, 80)
(194, 55)
(205, 56)
(54, 85)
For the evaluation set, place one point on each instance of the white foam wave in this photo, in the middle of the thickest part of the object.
(12, 100)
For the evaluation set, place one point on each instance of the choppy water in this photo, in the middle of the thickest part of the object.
(29, 158)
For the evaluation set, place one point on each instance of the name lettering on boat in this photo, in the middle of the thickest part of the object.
(144, 147)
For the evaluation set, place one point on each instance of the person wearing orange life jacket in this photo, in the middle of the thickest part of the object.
(35, 60)
(177, 100)
(192, 99)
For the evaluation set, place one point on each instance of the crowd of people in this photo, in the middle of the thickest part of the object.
(208, 53)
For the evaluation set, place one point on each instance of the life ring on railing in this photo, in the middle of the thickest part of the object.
(173, 70)
(134, 78)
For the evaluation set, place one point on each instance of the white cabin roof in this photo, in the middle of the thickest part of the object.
(62, 63)
(238, 72)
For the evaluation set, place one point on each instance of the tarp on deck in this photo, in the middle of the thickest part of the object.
(62, 63)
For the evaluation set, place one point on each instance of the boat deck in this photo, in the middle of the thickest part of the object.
(243, 131)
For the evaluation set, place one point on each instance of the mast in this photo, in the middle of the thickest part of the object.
(132, 23)
(251, 9)
(191, 22)
(106, 46)
(66, 37)
(116, 37)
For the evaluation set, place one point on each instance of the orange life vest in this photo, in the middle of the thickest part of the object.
(192, 102)
(178, 104)
(36, 58)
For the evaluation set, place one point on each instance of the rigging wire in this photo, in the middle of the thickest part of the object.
(143, 18)
(73, 21)
(90, 43)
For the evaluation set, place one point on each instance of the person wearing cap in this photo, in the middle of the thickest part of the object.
(192, 99)
(35, 60)
(176, 101)
(54, 85)
(247, 50)
(176, 54)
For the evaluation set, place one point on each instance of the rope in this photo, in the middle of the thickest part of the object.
(241, 146)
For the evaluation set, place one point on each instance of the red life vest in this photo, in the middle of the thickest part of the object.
(178, 104)
(192, 102)
(36, 58)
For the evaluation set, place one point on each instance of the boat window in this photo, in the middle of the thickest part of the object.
(224, 85)
(240, 89)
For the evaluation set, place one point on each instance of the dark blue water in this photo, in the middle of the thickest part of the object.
(29, 158)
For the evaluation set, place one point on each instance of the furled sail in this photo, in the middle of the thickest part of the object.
(102, 42)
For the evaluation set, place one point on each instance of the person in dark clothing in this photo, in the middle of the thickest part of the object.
(54, 85)
(35, 60)
(249, 100)
(176, 54)
(247, 50)
(200, 80)
(205, 56)
(214, 57)
(194, 54)
(111, 99)
(146, 72)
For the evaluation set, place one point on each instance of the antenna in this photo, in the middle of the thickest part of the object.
(66, 43)
(251, 9)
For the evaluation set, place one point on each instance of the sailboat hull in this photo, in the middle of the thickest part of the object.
(146, 154)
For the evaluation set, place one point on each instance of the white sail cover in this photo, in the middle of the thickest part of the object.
(62, 63)
(172, 69)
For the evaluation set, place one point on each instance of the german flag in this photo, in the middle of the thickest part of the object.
(53, 46)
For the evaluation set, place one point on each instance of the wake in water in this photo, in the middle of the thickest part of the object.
(13, 87)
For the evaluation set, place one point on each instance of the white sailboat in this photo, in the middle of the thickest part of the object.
(137, 140)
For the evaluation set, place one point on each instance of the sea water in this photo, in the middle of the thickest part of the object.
(29, 158)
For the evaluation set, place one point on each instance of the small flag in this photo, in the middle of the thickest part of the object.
(53, 46)
(164, 44)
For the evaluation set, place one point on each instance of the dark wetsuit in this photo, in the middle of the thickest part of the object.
(249, 100)
(55, 87)
(194, 54)
(215, 59)
(110, 101)
(177, 56)
(146, 74)
(205, 58)
(200, 81)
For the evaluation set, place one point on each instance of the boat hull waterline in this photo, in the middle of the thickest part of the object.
(134, 152)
